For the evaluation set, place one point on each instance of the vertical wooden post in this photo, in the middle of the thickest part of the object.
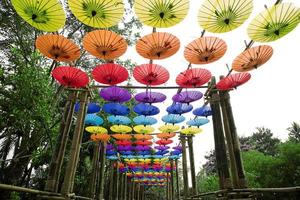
(177, 180)
(111, 181)
(68, 183)
(60, 148)
(172, 180)
(95, 162)
(167, 187)
(117, 182)
(121, 186)
(220, 147)
(102, 170)
(192, 164)
(125, 186)
(184, 167)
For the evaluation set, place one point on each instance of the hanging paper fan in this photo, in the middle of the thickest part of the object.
(205, 50)
(120, 129)
(161, 14)
(45, 15)
(104, 44)
(97, 13)
(119, 120)
(150, 97)
(151, 74)
(93, 119)
(123, 143)
(197, 122)
(220, 16)
(163, 142)
(110, 73)
(145, 109)
(91, 108)
(143, 129)
(233, 81)
(144, 120)
(169, 128)
(190, 131)
(157, 45)
(96, 129)
(161, 148)
(193, 77)
(179, 108)
(57, 47)
(166, 135)
(116, 109)
(274, 23)
(100, 137)
(173, 119)
(122, 136)
(252, 58)
(115, 94)
(70, 76)
(187, 96)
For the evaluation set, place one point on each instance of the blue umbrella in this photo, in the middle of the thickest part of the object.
(111, 152)
(144, 120)
(176, 152)
(162, 152)
(119, 120)
(179, 108)
(173, 119)
(116, 109)
(93, 119)
(144, 153)
(197, 122)
(91, 108)
(145, 109)
(126, 152)
(174, 157)
(203, 111)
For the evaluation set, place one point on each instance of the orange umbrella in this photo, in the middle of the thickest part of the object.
(157, 45)
(205, 50)
(166, 135)
(57, 47)
(100, 137)
(104, 44)
(143, 137)
(122, 136)
(252, 58)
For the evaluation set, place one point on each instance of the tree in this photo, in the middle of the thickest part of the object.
(294, 132)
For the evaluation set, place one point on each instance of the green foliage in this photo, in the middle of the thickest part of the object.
(294, 132)
(207, 183)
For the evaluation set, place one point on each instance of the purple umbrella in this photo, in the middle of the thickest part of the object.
(125, 148)
(150, 97)
(109, 147)
(142, 148)
(161, 148)
(179, 148)
(115, 94)
(187, 96)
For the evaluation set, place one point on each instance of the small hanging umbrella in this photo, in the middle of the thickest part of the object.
(45, 15)
(197, 122)
(205, 50)
(150, 97)
(115, 94)
(112, 158)
(120, 136)
(161, 148)
(120, 129)
(220, 16)
(187, 96)
(109, 147)
(104, 44)
(179, 108)
(91, 108)
(169, 128)
(100, 137)
(57, 47)
(233, 81)
(173, 119)
(274, 22)
(116, 109)
(157, 45)
(174, 157)
(93, 119)
(179, 148)
(166, 135)
(163, 142)
(191, 131)
(143, 148)
(124, 143)
(203, 111)
(161, 14)
(162, 152)
(145, 109)
(70, 76)
(176, 152)
(119, 120)
(96, 129)
(252, 58)
(125, 148)
(97, 13)
(142, 137)
(143, 142)
(193, 77)
(151, 74)
(144, 120)
(110, 73)
(143, 129)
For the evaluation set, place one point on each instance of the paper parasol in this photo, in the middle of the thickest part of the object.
(203, 111)
(190, 131)
(173, 119)
(233, 81)
(116, 109)
(142, 137)
(100, 137)
(161, 148)
(163, 142)
(93, 119)
(145, 109)
(144, 120)
(151, 74)
(119, 136)
(96, 129)
(115, 94)
(91, 108)
(166, 135)
(150, 97)
(169, 128)
(110, 73)
(119, 120)
(143, 129)
(70, 76)
(120, 129)
(179, 108)
(187, 96)
(193, 77)
(197, 122)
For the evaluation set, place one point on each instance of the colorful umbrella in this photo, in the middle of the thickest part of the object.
(143, 148)
(125, 148)
(274, 23)
(203, 111)
(162, 152)
(143, 129)
(193, 78)
(161, 148)
(150, 97)
(179, 108)
(123, 143)
(187, 96)
(97, 13)
(173, 119)
(252, 58)
(112, 158)
(110, 73)
(220, 16)
(157, 45)
(115, 94)
(151, 74)
(93, 119)
(104, 44)
(166, 135)
(91, 108)
(191, 131)
(143, 142)
(100, 137)
(70, 76)
(176, 152)
(142, 137)
(119, 120)
(233, 81)
(96, 129)
(163, 142)
(179, 148)
(145, 109)
(119, 136)
(120, 129)
(144, 120)
(116, 109)
(169, 128)
(161, 14)
(205, 50)
(197, 122)
(45, 15)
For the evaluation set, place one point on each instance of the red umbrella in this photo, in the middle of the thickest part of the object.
(163, 142)
(143, 142)
(110, 73)
(151, 74)
(70, 76)
(193, 77)
(123, 142)
(233, 81)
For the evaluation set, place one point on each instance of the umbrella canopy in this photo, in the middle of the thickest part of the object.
(161, 14)
(252, 58)
(274, 22)
(119, 120)
(187, 96)
(166, 135)
(93, 119)
(97, 13)
(143, 129)
(123, 143)
(173, 119)
(220, 16)
(110, 73)
(70, 76)
(104, 44)
(191, 131)
(161, 148)
(96, 129)
(121, 129)
(143, 148)
(193, 78)
(203, 111)
(174, 157)
(144, 142)
(112, 157)
(158, 45)
(176, 152)
(169, 128)
(115, 94)
(91, 107)
(125, 148)
(119, 136)
(163, 142)
(179, 148)
(145, 109)
(151, 74)
(45, 15)
(233, 81)
(197, 122)
(116, 109)
(100, 137)
(144, 120)
(57, 47)
(179, 108)
(162, 152)
(150, 97)
(142, 137)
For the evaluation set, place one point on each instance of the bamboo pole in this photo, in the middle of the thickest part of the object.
(172, 180)
(184, 167)
(167, 188)
(60, 148)
(192, 165)
(111, 181)
(177, 180)
(117, 182)
(95, 163)
(102, 169)
(67, 186)
(125, 186)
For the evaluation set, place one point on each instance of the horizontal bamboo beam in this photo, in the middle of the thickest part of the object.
(284, 189)
(145, 87)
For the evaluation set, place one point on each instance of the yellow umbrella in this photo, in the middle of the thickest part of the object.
(121, 129)
(169, 128)
(191, 131)
(45, 15)
(96, 129)
(161, 13)
(97, 13)
(143, 129)
(220, 16)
